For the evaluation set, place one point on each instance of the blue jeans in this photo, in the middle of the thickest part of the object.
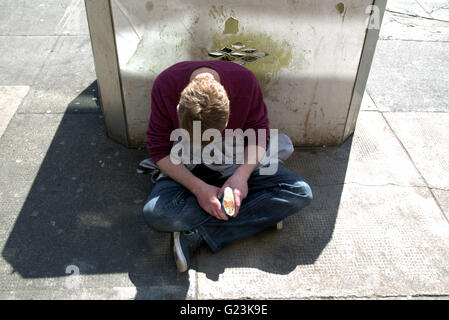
(271, 198)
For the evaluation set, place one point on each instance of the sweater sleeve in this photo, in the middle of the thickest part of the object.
(159, 128)
(258, 114)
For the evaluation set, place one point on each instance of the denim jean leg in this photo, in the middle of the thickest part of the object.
(271, 198)
(171, 207)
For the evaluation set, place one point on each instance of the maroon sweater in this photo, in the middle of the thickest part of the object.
(247, 107)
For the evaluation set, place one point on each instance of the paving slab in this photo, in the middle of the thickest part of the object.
(32, 3)
(21, 58)
(372, 156)
(64, 80)
(22, 18)
(367, 103)
(441, 14)
(410, 76)
(353, 242)
(442, 197)
(75, 200)
(10, 98)
(20, 161)
(432, 5)
(438, 9)
(95, 293)
(424, 136)
(74, 20)
(404, 27)
(410, 7)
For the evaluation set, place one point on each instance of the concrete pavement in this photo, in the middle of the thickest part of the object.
(71, 200)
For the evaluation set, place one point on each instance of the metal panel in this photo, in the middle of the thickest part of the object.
(372, 34)
(314, 49)
(313, 78)
(102, 36)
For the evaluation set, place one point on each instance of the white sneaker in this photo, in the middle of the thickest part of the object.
(184, 245)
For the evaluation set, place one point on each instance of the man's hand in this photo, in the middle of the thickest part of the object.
(239, 180)
(207, 196)
(239, 183)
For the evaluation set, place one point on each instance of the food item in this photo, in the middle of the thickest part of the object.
(228, 201)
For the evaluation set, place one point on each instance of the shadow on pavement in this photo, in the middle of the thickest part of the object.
(84, 211)
(305, 234)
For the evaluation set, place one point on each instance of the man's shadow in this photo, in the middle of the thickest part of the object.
(84, 212)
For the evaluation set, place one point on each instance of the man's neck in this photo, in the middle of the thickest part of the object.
(205, 71)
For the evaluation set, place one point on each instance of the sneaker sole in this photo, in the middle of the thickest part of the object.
(180, 259)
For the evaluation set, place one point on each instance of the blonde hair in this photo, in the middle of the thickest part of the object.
(204, 99)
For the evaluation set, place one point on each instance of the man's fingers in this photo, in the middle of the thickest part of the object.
(237, 194)
(224, 217)
(237, 205)
(213, 213)
(238, 201)
(221, 215)
(212, 210)
(220, 193)
(217, 209)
